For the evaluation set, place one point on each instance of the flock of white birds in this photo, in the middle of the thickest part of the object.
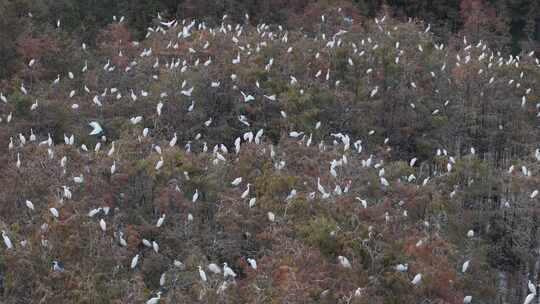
(221, 153)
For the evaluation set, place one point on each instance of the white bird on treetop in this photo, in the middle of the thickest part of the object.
(96, 128)
(344, 262)
(202, 274)
(134, 261)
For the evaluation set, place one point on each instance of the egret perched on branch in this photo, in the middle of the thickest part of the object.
(247, 98)
(465, 266)
(134, 261)
(344, 262)
(29, 205)
(195, 196)
(160, 221)
(402, 267)
(159, 164)
(103, 225)
(187, 92)
(246, 192)
(227, 271)
(529, 298)
(202, 274)
(57, 267)
(7, 241)
(54, 212)
(96, 128)
(236, 181)
(252, 263)
(214, 268)
(532, 288)
(154, 300)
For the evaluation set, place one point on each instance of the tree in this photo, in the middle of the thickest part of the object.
(482, 21)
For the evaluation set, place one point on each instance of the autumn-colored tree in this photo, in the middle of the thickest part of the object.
(482, 22)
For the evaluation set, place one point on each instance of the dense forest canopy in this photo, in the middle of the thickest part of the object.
(512, 24)
(286, 152)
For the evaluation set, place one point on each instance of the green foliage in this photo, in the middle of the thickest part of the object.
(22, 104)
(318, 233)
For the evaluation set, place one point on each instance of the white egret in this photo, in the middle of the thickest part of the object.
(417, 278)
(227, 271)
(214, 268)
(202, 274)
(96, 128)
(134, 261)
(252, 263)
(30, 205)
(160, 221)
(7, 241)
(54, 212)
(344, 262)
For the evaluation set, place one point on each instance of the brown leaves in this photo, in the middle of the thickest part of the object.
(114, 38)
(30, 46)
